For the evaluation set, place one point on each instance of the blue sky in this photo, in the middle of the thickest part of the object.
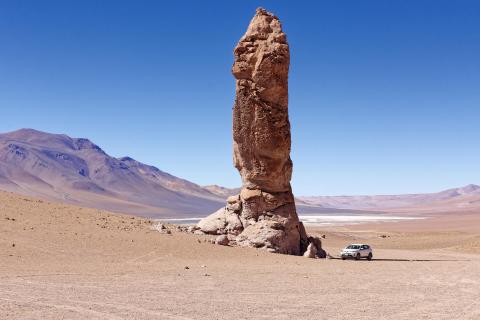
(384, 95)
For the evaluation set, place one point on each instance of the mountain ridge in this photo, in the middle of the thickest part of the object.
(459, 198)
(59, 167)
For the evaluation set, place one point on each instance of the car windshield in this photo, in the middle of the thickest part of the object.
(353, 246)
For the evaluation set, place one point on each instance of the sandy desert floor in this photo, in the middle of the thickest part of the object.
(65, 262)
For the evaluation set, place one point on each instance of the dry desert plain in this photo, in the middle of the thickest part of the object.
(65, 262)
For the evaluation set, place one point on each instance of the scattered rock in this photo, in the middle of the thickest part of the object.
(222, 240)
(187, 267)
(161, 228)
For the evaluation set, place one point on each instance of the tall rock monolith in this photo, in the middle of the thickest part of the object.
(263, 214)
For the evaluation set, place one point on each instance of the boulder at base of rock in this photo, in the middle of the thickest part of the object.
(279, 234)
(311, 251)
(223, 221)
(222, 240)
(322, 254)
(214, 223)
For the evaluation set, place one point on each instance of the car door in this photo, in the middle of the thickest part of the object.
(364, 251)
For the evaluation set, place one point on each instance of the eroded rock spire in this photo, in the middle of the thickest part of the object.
(264, 213)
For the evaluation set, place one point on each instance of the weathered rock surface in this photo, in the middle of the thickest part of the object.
(261, 129)
(263, 215)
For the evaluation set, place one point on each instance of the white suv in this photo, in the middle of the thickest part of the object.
(357, 251)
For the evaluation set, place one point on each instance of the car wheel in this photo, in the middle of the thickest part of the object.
(370, 256)
(357, 257)
(343, 258)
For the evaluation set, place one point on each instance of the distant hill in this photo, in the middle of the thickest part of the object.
(222, 191)
(463, 198)
(77, 171)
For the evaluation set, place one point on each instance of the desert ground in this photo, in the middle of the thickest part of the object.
(64, 262)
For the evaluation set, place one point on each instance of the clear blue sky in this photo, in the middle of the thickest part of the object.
(384, 95)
